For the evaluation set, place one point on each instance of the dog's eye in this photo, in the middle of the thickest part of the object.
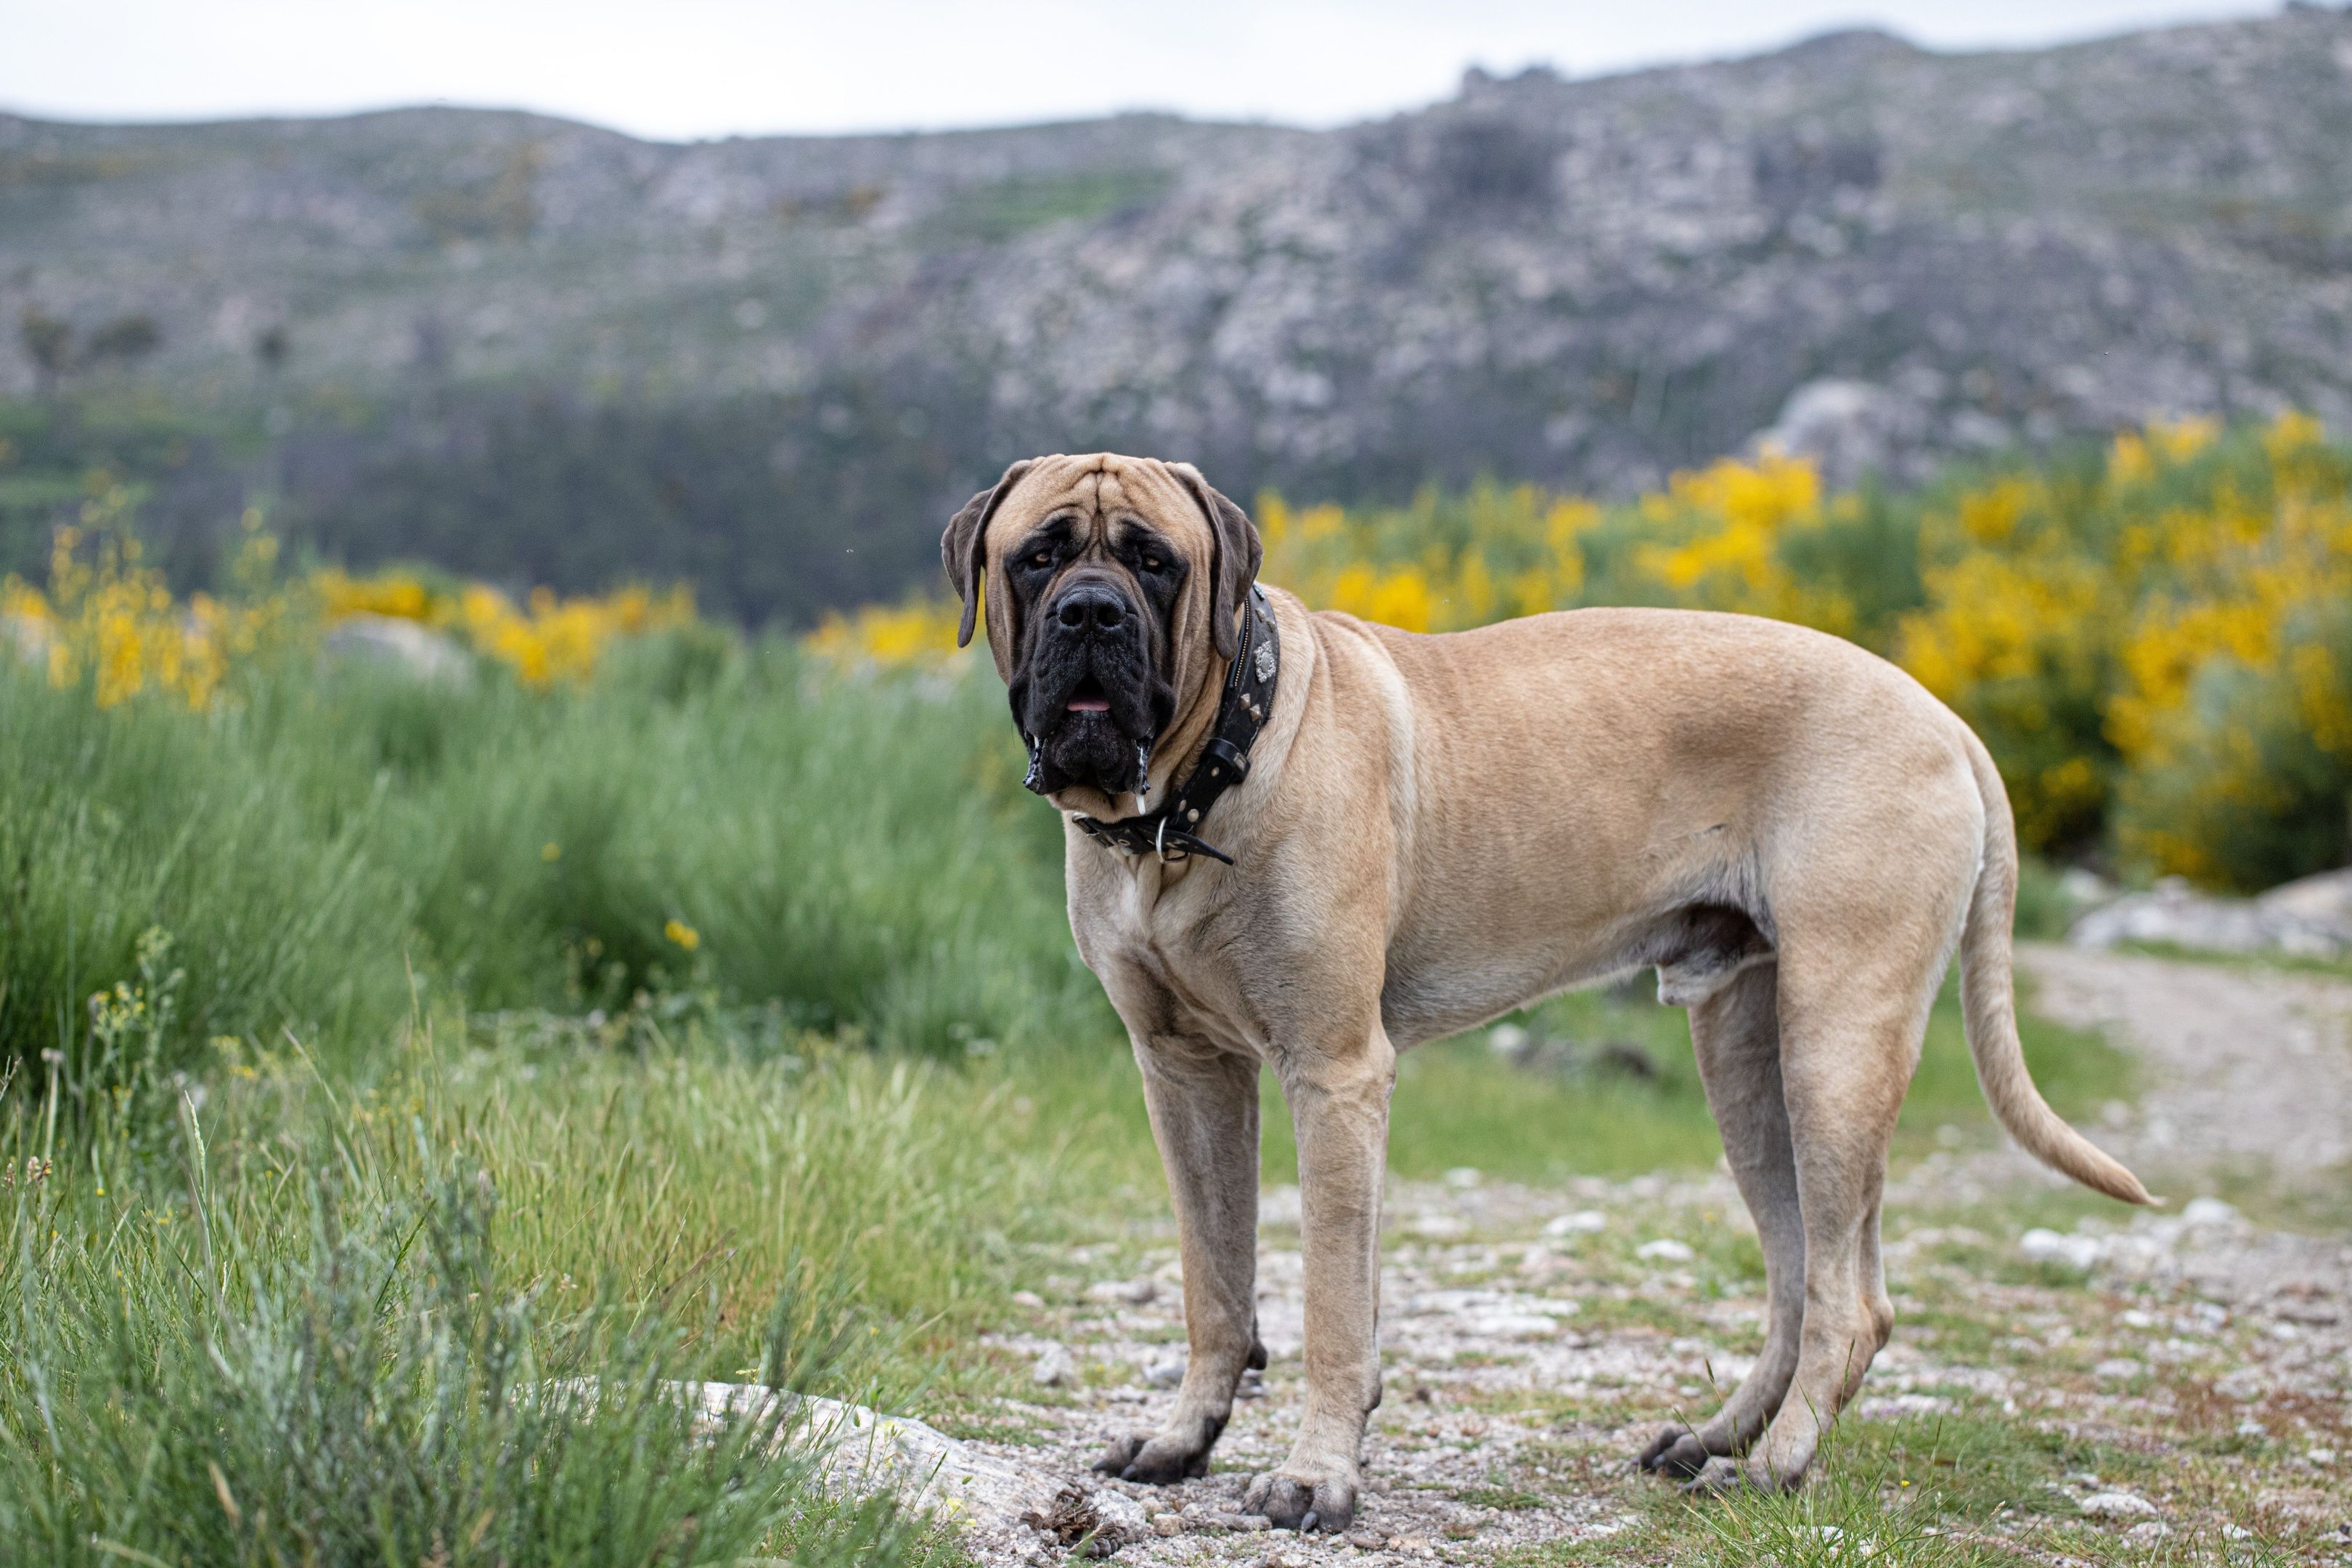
(1043, 558)
(1152, 563)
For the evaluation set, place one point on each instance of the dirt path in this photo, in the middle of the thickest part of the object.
(2244, 1064)
(1534, 1337)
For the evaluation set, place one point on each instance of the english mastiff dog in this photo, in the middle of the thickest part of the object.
(1300, 841)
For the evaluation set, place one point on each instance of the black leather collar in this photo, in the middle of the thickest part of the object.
(1172, 833)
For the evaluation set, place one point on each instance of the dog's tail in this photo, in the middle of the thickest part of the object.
(1989, 1007)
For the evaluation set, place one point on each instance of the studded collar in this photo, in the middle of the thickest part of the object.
(1172, 833)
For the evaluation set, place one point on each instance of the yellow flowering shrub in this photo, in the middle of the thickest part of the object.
(108, 619)
(1442, 564)
(2154, 644)
(546, 641)
(917, 634)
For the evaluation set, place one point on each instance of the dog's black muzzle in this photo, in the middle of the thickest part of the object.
(1089, 698)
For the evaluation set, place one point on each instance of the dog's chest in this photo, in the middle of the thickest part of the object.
(1162, 952)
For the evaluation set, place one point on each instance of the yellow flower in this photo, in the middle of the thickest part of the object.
(684, 935)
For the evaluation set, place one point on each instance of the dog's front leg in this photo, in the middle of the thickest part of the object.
(1203, 1105)
(1338, 1096)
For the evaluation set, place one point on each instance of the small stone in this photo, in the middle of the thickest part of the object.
(2040, 1246)
(1367, 1539)
(1165, 1374)
(2117, 1505)
(1665, 1249)
(1169, 1524)
(2321, 1455)
(1241, 1523)
(2203, 1212)
(2119, 1368)
(1582, 1222)
(1055, 1368)
(2149, 1529)
(1131, 1293)
(1465, 1177)
(1029, 1299)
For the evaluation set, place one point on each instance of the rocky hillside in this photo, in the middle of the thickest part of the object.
(1885, 254)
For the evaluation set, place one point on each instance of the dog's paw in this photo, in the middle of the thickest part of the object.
(1718, 1477)
(1154, 1461)
(1675, 1451)
(1119, 1455)
(1302, 1502)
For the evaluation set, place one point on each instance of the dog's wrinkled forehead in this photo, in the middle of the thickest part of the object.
(1100, 489)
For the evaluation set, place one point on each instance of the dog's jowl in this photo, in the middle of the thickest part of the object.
(1295, 840)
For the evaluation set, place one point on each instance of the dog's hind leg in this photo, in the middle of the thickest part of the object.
(1847, 1052)
(1736, 1035)
(1203, 1106)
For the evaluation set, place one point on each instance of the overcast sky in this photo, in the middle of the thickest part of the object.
(682, 68)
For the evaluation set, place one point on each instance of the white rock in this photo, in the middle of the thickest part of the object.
(1465, 1177)
(2117, 1505)
(863, 1450)
(2119, 1368)
(1665, 1249)
(1029, 1299)
(1165, 1374)
(2085, 886)
(2202, 1211)
(2149, 1529)
(2042, 1246)
(1055, 1368)
(2311, 918)
(1582, 1222)
(1510, 1325)
(1132, 1292)
(387, 639)
(1847, 428)
(1506, 1039)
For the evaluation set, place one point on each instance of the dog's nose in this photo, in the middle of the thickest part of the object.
(1090, 607)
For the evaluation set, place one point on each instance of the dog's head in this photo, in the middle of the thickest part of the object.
(1115, 588)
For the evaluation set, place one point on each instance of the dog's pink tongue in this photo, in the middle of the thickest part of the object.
(1089, 704)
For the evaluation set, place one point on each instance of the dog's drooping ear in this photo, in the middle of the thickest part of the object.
(1235, 565)
(963, 548)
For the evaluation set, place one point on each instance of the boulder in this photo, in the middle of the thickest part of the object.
(387, 639)
(997, 1503)
(2310, 917)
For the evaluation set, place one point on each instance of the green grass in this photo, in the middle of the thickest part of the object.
(405, 1103)
(321, 1324)
(857, 855)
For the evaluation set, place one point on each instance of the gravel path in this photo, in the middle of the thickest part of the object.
(1535, 1336)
